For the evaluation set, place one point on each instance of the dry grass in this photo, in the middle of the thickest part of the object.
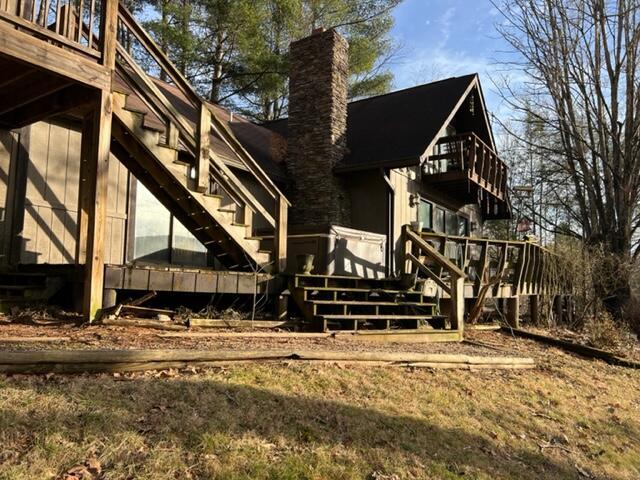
(571, 418)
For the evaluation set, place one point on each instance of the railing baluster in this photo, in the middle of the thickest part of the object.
(45, 14)
(33, 10)
(57, 25)
(67, 23)
(80, 21)
(92, 10)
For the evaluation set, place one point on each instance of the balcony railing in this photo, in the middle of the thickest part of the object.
(71, 24)
(467, 157)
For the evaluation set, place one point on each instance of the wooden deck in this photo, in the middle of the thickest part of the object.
(186, 280)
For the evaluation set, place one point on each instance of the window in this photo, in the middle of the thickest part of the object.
(451, 226)
(424, 214)
(463, 226)
(438, 220)
(159, 237)
(152, 228)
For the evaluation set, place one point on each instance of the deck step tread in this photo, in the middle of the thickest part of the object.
(377, 317)
(347, 277)
(355, 289)
(370, 303)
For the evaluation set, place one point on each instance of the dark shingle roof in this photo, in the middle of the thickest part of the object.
(396, 127)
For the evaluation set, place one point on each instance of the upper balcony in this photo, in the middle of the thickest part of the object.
(63, 38)
(464, 166)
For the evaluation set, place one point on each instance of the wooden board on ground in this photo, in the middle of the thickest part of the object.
(222, 323)
(140, 322)
(75, 361)
(583, 350)
(33, 339)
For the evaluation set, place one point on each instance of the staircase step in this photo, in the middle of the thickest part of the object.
(376, 317)
(370, 303)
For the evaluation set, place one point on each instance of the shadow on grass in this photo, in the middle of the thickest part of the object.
(201, 415)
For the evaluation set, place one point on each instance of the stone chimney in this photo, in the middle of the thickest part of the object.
(317, 128)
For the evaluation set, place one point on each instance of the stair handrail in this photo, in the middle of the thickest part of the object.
(457, 276)
(183, 84)
(229, 180)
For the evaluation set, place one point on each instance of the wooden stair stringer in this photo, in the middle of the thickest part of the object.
(129, 123)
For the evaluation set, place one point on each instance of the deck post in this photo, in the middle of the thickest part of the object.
(513, 311)
(457, 304)
(534, 309)
(280, 234)
(558, 308)
(94, 183)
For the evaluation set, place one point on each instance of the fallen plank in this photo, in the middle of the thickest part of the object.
(139, 322)
(406, 357)
(222, 323)
(34, 339)
(75, 361)
(482, 327)
(584, 350)
(139, 301)
(146, 310)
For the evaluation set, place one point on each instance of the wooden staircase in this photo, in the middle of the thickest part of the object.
(173, 157)
(343, 303)
(145, 152)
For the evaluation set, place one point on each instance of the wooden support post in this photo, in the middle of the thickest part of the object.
(457, 304)
(203, 145)
(94, 183)
(280, 234)
(557, 308)
(513, 311)
(534, 309)
(109, 33)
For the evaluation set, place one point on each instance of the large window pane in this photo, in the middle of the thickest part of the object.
(463, 226)
(452, 223)
(152, 227)
(438, 220)
(424, 214)
(187, 250)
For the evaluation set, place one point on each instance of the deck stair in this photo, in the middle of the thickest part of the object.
(143, 150)
(348, 303)
(18, 289)
(171, 140)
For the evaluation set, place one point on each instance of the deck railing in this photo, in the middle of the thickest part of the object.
(135, 48)
(72, 24)
(422, 257)
(467, 156)
(466, 267)
(511, 267)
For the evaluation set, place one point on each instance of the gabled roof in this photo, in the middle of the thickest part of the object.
(396, 129)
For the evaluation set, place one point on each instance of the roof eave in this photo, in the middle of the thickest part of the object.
(396, 163)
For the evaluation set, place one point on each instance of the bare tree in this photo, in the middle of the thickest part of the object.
(580, 62)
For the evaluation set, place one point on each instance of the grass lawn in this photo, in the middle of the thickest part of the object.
(569, 418)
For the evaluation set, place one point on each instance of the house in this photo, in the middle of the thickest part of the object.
(115, 181)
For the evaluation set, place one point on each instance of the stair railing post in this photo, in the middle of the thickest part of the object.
(203, 145)
(280, 234)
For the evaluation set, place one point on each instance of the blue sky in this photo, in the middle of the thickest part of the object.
(445, 38)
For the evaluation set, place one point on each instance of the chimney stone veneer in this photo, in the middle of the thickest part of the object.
(317, 129)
